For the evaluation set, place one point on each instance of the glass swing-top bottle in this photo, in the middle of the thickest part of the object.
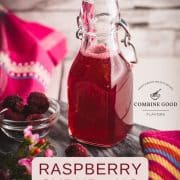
(100, 82)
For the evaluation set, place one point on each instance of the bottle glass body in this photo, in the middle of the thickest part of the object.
(100, 91)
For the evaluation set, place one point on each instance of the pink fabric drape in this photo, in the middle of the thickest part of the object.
(28, 53)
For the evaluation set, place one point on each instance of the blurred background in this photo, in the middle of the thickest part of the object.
(154, 25)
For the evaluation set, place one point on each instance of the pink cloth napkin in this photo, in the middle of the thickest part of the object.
(28, 54)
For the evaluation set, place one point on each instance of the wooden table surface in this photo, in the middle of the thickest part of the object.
(60, 139)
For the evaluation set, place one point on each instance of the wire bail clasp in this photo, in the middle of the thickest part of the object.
(127, 38)
(79, 33)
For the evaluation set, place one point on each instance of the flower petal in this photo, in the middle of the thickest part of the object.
(49, 153)
(27, 162)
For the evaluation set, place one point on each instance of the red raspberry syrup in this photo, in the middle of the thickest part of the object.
(100, 97)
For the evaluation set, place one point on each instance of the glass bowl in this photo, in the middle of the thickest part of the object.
(14, 129)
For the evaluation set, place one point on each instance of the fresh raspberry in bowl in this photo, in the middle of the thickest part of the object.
(40, 112)
(38, 103)
(15, 103)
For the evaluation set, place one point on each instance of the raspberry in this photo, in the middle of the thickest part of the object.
(76, 150)
(15, 103)
(33, 117)
(26, 110)
(37, 103)
(11, 115)
(37, 151)
(1, 106)
(42, 141)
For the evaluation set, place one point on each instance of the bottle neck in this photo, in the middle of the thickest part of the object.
(98, 23)
(108, 42)
(99, 16)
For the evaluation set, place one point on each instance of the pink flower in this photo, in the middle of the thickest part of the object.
(27, 162)
(28, 132)
(49, 153)
(33, 138)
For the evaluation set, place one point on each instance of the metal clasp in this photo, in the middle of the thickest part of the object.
(127, 38)
(79, 33)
